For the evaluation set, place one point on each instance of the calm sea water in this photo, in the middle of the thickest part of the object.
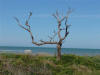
(35, 50)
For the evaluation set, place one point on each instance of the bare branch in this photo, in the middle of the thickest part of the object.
(41, 41)
(53, 36)
(56, 15)
(55, 33)
(27, 21)
(17, 20)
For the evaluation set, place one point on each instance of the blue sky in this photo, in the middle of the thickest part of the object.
(85, 21)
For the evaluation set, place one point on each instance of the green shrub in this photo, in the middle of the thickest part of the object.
(31, 65)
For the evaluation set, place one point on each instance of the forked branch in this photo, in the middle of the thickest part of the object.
(29, 30)
(59, 21)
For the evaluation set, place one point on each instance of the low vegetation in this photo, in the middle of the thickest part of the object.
(22, 64)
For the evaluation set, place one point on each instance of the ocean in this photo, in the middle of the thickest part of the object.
(35, 50)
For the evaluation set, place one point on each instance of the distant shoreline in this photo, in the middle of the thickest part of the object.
(52, 51)
(48, 47)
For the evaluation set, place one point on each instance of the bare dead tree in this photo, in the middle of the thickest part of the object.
(61, 38)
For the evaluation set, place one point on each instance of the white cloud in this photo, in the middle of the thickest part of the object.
(73, 16)
(42, 15)
(86, 16)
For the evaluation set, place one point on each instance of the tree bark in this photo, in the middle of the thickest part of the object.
(58, 52)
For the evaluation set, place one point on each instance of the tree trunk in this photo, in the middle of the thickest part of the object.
(58, 51)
